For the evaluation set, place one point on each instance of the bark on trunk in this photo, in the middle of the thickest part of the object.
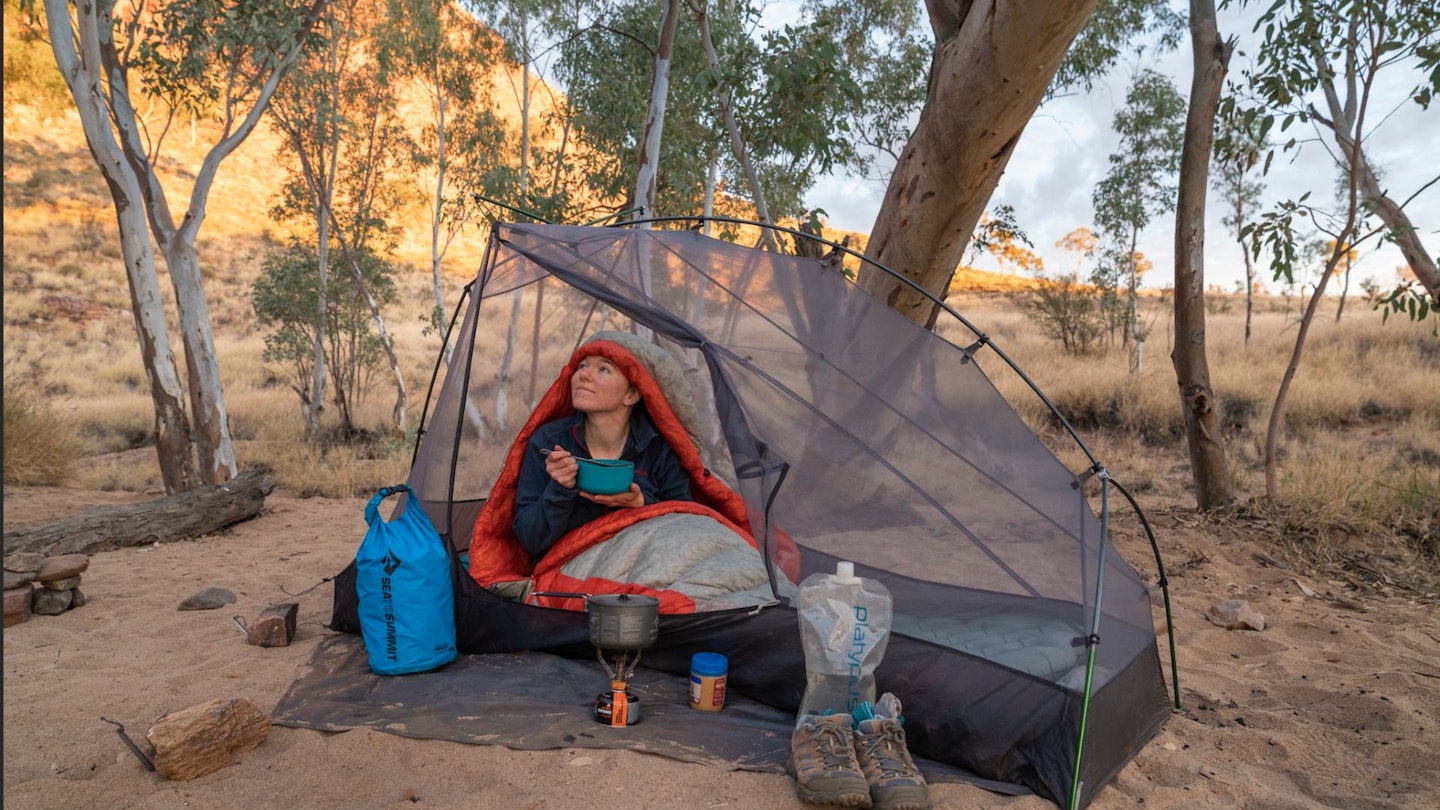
(649, 158)
(737, 142)
(1401, 230)
(211, 428)
(1213, 486)
(182, 516)
(993, 63)
(82, 70)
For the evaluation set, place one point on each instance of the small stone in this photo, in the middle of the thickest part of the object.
(51, 603)
(24, 562)
(66, 584)
(66, 565)
(17, 604)
(202, 739)
(77, 598)
(15, 580)
(275, 626)
(1235, 614)
(208, 599)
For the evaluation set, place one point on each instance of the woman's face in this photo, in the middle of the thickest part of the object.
(598, 387)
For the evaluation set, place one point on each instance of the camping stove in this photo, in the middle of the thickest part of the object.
(623, 624)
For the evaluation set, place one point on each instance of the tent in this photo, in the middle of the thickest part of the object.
(1022, 644)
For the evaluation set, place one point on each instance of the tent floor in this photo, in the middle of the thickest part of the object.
(539, 701)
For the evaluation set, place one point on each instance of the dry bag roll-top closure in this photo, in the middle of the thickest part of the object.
(406, 594)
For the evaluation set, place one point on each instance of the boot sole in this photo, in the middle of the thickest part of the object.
(834, 799)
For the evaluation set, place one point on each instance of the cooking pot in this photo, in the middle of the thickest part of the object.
(625, 621)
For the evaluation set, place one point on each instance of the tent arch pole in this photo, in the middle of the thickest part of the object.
(435, 373)
(1096, 469)
(982, 340)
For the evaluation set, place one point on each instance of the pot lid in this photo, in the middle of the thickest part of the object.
(623, 600)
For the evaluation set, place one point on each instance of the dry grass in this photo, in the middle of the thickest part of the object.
(1360, 449)
(40, 444)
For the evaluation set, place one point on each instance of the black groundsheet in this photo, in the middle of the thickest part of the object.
(536, 701)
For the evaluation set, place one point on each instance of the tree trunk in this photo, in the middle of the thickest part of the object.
(1344, 289)
(1249, 287)
(737, 142)
(82, 70)
(1401, 230)
(1272, 429)
(211, 423)
(193, 513)
(437, 219)
(1213, 486)
(992, 66)
(649, 158)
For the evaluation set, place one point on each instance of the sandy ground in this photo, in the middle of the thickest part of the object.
(1335, 704)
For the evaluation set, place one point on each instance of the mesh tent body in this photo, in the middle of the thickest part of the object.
(856, 435)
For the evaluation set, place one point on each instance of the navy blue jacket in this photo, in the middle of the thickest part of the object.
(544, 510)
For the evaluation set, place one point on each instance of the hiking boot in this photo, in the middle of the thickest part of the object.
(895, 782)
(826, 771)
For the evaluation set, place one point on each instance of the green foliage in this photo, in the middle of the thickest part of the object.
(1142, 170)
(284, 298)
(203, 57)
(1115, 28)
(1335, 49)
(884, 48)
(1237, 152)
(1068, 312)
(1001, 227)
(1408, 298)
(1140, 182)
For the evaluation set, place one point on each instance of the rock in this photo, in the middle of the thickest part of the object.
(66, 565)
(24, 562)
(15, 580)
(208, 599)
(202, 739)
(77, 599)
(275, 626)
(51, 603)
(1235, 614)
(66, 584)
(17, 604)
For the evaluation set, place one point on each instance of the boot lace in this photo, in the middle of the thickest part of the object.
(886, 748)
(833, 743)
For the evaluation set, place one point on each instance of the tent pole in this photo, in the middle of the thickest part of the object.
(1093, 640)
(435, 374)
(1164, 590)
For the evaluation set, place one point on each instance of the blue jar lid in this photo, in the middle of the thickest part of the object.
(708, 663)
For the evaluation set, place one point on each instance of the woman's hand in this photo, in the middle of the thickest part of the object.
(562, 467)
(632, 499)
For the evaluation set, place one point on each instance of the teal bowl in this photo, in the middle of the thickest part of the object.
(604, 476)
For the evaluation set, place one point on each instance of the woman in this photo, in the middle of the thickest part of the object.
(610, 422)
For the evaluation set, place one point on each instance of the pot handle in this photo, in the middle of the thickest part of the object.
(562, 594)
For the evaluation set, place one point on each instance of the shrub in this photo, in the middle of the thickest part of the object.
(1069, 312)
(41, 448)
(284, 298)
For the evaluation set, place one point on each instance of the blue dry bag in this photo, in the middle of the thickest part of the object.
(407, 601)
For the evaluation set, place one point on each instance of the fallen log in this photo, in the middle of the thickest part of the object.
(182, 516)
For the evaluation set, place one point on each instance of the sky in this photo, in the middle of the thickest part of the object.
(1064, 152)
